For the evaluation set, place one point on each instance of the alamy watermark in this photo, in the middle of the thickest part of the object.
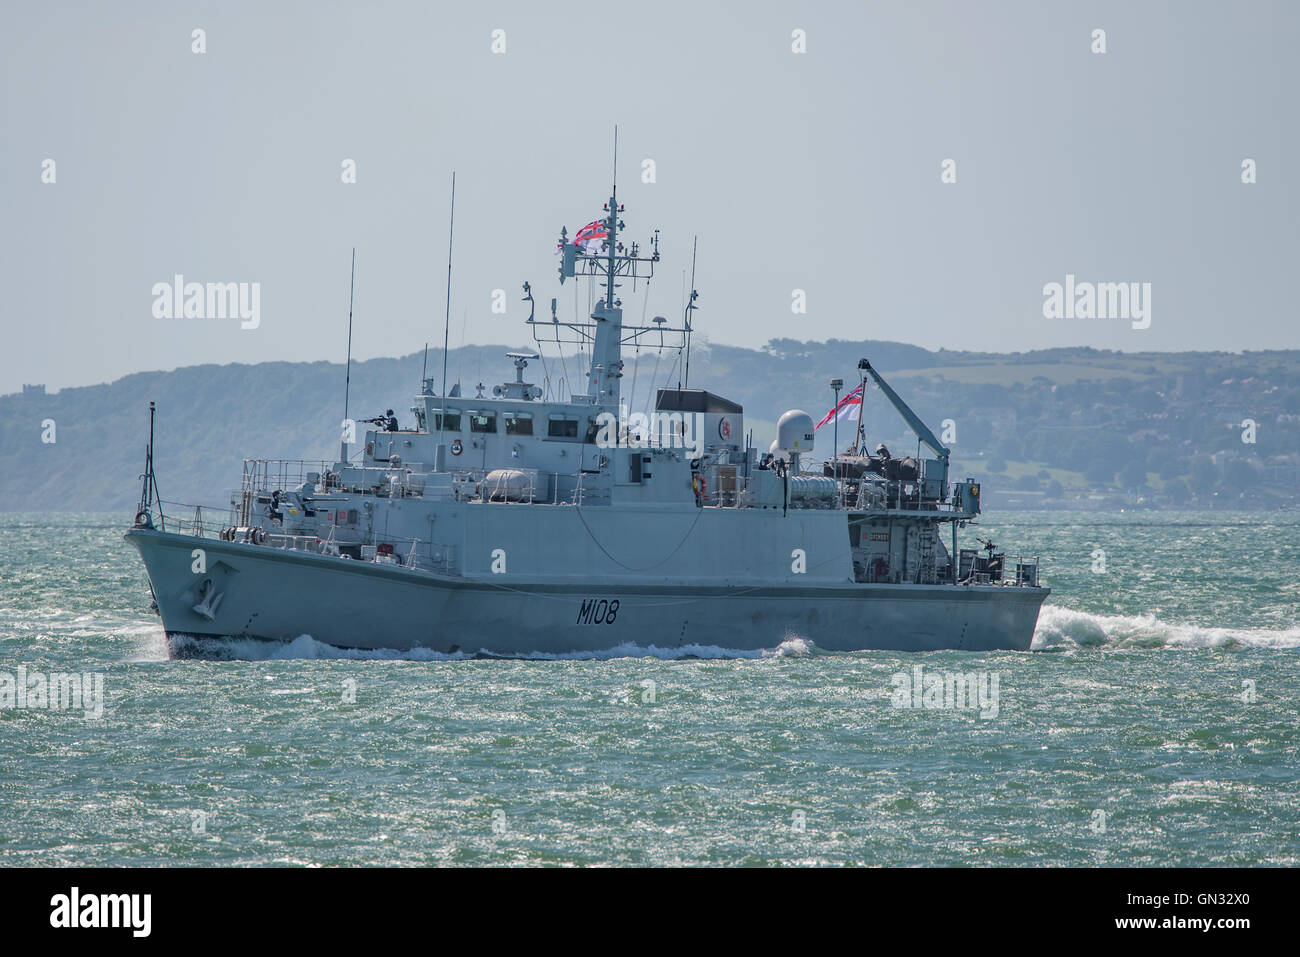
(1098, 300)
(179, 299)
(947, 690)
(55, 691)
(659, 430)
(129, 911)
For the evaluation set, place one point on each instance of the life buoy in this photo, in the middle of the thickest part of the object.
(457, 448)
(700, 485)
(143, 519)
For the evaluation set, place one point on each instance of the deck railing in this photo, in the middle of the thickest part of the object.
(201, 521)
(262, 474)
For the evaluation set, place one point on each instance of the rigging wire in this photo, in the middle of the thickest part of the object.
(636, 341)
(698, 513)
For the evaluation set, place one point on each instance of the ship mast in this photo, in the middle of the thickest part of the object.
(606, 353)
(612, 224)
(606, 332)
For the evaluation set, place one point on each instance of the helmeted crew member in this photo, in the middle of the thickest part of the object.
(392, 421)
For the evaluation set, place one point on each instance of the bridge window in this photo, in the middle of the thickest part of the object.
(562, 427)
(483, 422)
(446, 420)
(519, 423)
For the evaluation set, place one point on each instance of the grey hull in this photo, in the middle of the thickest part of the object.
(279, 595)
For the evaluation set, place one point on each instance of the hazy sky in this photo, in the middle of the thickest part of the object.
(817, 171)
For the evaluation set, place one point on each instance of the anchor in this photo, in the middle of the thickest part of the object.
(209, 600)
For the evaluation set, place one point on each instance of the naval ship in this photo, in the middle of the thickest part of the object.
(546, 519)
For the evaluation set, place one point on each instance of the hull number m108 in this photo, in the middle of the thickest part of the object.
(598, 611)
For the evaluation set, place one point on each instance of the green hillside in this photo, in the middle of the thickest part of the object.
(1082, 426)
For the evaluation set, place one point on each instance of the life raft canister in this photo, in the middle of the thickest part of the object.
(457, 448)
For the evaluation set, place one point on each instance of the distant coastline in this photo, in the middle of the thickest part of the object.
(1074, 428)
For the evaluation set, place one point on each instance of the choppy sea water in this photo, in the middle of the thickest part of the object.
(1156, 723)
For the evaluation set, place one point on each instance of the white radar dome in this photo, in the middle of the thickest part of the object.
(794, 431)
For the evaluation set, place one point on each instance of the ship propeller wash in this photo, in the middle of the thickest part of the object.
(548, 520)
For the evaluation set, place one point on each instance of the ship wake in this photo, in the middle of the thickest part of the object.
(305, 647)
(1061, 629)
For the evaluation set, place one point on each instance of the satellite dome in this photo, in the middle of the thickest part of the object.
(794, 432)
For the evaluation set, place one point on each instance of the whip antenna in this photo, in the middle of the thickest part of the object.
(440, 455)
(347, 377)
(690, 308)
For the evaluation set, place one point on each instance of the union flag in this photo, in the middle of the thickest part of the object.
(849, 409)
(592, 237)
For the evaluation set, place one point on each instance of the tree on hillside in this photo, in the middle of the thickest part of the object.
(973, 433)
(1241, 474)
(1011, 448)
(1178, 491)
(1173, 468)
(1203, 476)
(1134, 474)
(1100, 471)
(1161, 458)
